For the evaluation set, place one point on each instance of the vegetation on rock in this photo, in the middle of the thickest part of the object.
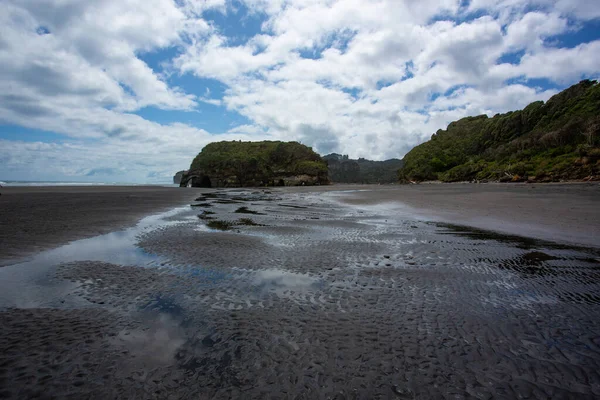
(247, 222)
(245, 210)
(558, 140)
(206, 215)
(220, 225)
(223, 225)
(345, 170)
(266, 163)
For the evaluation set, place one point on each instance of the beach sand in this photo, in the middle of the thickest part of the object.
(566, 213)
(339, 292)
(38, 218)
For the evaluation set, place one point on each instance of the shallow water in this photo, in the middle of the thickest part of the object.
(27, 284)
(318, 300)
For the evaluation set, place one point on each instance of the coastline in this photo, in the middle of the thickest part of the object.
(36, 218)
(296, 278)
(559, 212)
(594, 180)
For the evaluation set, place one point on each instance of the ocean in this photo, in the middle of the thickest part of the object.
(69, 183)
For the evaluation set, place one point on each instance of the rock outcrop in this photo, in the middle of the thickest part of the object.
(544, 142)
(178, 176)
(346, 170)
(248, 164)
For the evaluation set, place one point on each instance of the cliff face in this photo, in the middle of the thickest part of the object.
(558, 140)
(345, 170)
(247, 164)
(178, 176)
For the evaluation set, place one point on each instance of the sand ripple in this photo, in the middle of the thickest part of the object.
(319, 300)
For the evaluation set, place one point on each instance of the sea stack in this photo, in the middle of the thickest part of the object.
(251, 164)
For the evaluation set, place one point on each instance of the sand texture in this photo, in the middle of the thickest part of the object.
(39, 218)
(323, 294)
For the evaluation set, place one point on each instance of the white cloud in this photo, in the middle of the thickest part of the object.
(369, 78)
(333, 99)
(102, 37)
(247, 130)
(530, 31)
(560, 64)
(147, 152)
(72, 67)
(580, 9)
(474, 102)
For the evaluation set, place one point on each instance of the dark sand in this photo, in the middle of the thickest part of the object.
(331, 296)
(38, 218)
(568, 213)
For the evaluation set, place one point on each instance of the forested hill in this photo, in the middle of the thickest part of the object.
(266, 163)
(345, 170)
(558, 140)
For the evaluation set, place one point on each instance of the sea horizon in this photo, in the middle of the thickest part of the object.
(12, 183)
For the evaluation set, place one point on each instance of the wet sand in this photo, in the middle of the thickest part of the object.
(38, 218)
(567, 213)
(327, 294)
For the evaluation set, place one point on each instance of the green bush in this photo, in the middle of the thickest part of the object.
(240, 163)
(541, 139)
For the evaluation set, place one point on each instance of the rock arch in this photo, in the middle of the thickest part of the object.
(196, 180)
(204, 182)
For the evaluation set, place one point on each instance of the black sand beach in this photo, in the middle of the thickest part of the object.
(567, 212)
(38, 218)
(354, 292)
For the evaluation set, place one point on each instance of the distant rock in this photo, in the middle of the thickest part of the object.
(178, 176)
(345, 170)
(247, 164)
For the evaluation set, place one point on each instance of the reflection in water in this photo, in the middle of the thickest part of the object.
(566, 273)
(358, 304)
(155, 343)
(165, 305)
(281, 280)
(521, 242)
(28, 284)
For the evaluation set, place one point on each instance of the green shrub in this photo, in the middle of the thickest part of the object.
(540, 139)
(220, 225)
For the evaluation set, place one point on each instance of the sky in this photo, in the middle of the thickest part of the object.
(131, 90)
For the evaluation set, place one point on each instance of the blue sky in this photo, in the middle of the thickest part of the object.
(131, 91)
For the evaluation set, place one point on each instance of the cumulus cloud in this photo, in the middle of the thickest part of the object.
(91, 47)
(370, 78)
